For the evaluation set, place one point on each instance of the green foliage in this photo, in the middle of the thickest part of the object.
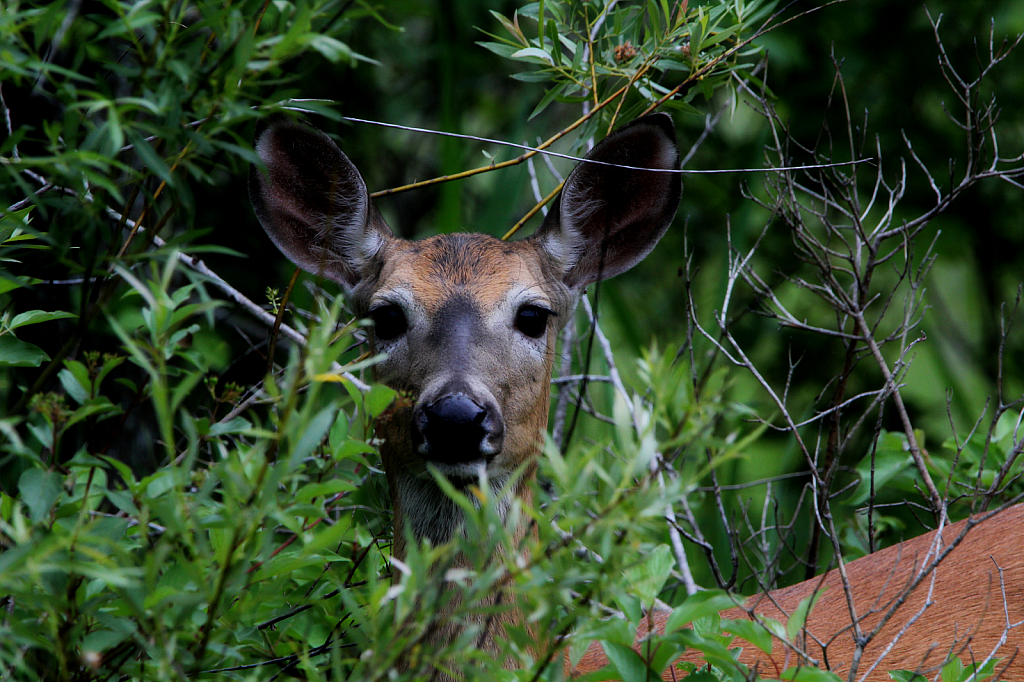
(167, 575)
(258, 546)
(954, 671)
(589, 51)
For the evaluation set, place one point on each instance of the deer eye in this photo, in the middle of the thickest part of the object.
(532, 320)
(388, 322)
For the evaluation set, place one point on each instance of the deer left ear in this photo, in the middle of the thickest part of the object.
(313, 202)
(608, 218)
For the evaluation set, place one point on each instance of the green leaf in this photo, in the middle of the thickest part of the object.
(95, 407)
(350, 449)
(534, 55)
(238, 425)
(953, 671)
(313, 434)
(548, 98)
(630, 666)
(325, 489)
(17, 353)
(701, 676)
(101, 640)
(707, 88)
(328, 539)
(378, 399)
(696, 606)
(159, 483)
(149, 157)
(714, 652)
(71, 381)
(532, 76)
(500, 49)
(907, 676)
(799, 616)
(756, 634)
(648, 577)
(331, 48)
(805, 674)
(10, 284)
(39, 490)
(509, 25)
(339, 431)
(630, 606)
(654, 17)
(37, 316)
(184, 387)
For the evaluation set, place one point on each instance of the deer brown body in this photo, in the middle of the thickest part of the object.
(468, 325)
(970, 609)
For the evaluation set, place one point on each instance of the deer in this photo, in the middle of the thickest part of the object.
(466, 325)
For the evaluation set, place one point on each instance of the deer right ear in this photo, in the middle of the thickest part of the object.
(616, 204)
(313, 203)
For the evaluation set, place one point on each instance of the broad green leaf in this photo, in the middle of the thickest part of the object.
(159, 483)
(238, 425)
(10, 284)
(756, 634)
(37, 316)
(339, 431)
(39, 490)
(953, 671)
(696, 606)
(378, 399)
(627, 662)
(17, 353)
(713, 651)
(325, 489)
(351, 449)
(649, 576)
(71, 381)
(328, 538)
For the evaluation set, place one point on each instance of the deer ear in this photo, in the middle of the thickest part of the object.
(313, 203)
(607, 219)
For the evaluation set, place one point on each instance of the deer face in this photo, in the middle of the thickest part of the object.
(467, 323)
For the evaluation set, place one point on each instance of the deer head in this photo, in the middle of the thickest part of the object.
(467, 323)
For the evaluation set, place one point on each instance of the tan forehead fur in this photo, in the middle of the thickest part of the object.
(481, 266)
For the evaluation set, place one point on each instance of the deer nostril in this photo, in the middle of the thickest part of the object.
(453, 429)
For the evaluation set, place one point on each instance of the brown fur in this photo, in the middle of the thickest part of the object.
(965, 618)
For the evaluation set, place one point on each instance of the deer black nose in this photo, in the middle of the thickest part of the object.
(455, 429)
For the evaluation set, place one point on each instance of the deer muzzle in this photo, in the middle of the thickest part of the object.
(457, 428)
